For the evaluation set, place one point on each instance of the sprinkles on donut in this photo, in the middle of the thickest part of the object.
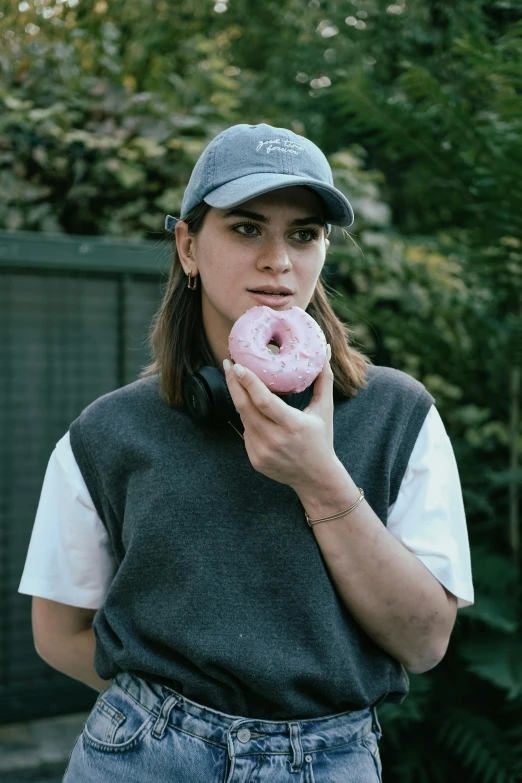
(290, 338)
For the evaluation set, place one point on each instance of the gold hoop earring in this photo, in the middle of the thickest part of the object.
(195, 282)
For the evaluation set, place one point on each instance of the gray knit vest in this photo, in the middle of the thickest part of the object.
(221, 590)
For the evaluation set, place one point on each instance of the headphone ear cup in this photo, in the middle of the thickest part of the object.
(207, 396)
(197, 399)
(208, 399)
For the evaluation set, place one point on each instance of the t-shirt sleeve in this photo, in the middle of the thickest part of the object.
(70, 558)
(428, 516)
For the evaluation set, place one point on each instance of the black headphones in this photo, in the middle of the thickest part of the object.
(208, 399)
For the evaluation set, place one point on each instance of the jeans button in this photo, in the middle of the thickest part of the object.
(243, 735)
(308, 758)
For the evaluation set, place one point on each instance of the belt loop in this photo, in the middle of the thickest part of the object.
(295, 739)
(163, 718)
(376, 724)
(230, 746)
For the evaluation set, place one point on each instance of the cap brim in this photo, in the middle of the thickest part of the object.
(338, 209)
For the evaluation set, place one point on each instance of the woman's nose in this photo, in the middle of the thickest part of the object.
(275, 258)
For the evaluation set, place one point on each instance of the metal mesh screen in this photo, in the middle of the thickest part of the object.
(66, 337)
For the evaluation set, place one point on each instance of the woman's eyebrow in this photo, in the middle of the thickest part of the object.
(245, 213)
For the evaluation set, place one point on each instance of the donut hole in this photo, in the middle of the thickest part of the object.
(273, 347)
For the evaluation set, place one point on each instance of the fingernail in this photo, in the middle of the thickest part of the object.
(226, 365)
(329, 351)
(239, 370)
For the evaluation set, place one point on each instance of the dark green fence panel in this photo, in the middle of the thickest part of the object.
(74, 318)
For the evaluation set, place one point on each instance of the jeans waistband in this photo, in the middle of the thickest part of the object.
(245, 736)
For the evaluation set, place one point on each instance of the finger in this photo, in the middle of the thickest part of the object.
(264, 402)
(243, 403)
(239, 395)
(323, 386)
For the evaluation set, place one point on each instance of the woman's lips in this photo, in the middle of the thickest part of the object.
(272, 300)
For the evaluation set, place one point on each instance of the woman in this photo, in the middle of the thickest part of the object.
(231, 640)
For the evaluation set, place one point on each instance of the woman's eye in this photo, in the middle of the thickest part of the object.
(307, 234)
(249, 229)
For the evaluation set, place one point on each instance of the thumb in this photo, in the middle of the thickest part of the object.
(323, 386)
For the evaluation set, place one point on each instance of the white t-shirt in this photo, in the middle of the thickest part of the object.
(70, 558)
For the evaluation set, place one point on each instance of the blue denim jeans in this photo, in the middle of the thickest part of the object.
(141, 732)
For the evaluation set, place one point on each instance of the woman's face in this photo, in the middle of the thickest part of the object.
(277, 239)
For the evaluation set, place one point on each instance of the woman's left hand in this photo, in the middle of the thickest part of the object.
(288, 445)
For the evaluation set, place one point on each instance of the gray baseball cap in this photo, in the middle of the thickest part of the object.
(246, 161)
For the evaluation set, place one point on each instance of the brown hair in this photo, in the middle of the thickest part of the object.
(179, 344)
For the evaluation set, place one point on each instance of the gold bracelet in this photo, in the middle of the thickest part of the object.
(337, 516)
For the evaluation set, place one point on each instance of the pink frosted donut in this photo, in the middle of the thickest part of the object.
(301, 341)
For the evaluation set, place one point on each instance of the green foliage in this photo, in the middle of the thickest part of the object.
(105, 110)
(495, 659)
(88, 144)
(482, 746)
